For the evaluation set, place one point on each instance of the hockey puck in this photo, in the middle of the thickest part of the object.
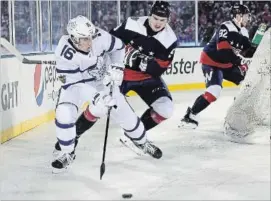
(127, 195)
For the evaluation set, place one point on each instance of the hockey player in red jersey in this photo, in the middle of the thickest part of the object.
(221, 60)
(150, 44)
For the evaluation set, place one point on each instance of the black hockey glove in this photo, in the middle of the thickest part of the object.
(131, 56)
(144, 60)
(134, 58)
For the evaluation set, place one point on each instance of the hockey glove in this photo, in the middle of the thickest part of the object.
(243, 69)
(134, 57)
(131, 56)
(101, 103)
(144, 62)
(114, 75)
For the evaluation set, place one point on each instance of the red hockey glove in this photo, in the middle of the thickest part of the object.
(243, 69)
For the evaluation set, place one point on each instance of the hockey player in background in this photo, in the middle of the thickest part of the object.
(150, 44)
(82, 68)
(221, 60)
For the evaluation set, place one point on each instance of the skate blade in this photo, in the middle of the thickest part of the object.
(129, 144)
(58, 171)
(183, 125)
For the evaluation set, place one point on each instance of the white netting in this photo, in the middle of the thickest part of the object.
(251, 107)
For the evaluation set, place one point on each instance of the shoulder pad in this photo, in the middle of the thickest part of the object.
(230, 26)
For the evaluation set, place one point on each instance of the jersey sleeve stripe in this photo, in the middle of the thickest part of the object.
(123, 45)
(162, 63)
(80, 81)
(113, 40)
(205, 59)
(223, 45)
(77, 70)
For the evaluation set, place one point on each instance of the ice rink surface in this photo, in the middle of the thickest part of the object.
(196, 164)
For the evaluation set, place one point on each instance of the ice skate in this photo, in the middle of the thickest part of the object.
(62, 162)
(189, 120)
(142, 149)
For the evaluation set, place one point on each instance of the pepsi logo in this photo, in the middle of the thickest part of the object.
(38, 84)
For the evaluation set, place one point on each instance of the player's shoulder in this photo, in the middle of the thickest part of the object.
(230, 26)
(103, 40)
(138, 20)
(244, 32)
(66, 52)
(136, 24)
(61, 43)
(100, 33)
(166, 37)
(104, 36)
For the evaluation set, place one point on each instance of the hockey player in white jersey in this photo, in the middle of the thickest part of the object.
(86, 76)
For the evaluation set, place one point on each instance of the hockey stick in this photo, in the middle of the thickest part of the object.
(15, 52)
(102, 167)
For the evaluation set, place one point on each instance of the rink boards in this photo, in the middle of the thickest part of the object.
(29, 92)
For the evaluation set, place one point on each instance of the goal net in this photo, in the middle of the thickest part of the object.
(251, 107)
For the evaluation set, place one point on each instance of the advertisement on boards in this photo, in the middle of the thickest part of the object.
(46, 87)
(9, 95)
(28, 94)
(185, 67)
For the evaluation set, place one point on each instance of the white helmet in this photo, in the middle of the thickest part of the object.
(80, 27)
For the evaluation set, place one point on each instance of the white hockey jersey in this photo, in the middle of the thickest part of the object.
(74, 66)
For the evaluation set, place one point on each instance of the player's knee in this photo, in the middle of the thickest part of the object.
(66, 113)
(89, 116)
(212, 93)
(163, 107)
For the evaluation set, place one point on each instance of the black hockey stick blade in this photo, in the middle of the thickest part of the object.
(27, 61)
(102, 170)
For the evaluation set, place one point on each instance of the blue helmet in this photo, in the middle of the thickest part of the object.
(239, 9)
(161, 9)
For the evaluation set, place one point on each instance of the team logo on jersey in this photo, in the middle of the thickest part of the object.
(38, 84)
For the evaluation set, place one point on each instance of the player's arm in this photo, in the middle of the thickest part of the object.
(249, 49)
(115, 49)
(153, 65)
(156, 66)
(121, 33)
(249, 52)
